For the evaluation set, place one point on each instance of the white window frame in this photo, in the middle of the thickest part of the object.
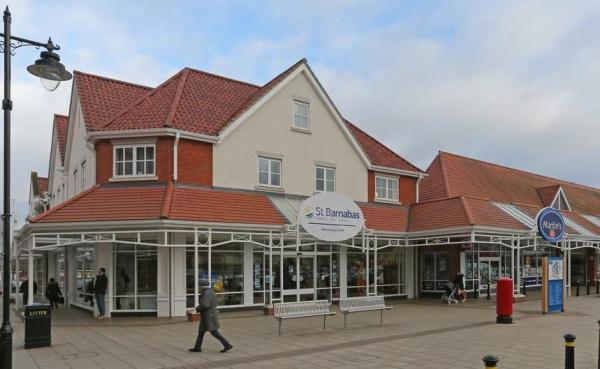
(270, 171)
(325, 180)
(134, 158)
(387, 180)
(307, 105)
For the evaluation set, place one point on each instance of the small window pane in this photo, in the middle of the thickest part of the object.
(139, 167)
(276, 166)
(275, 179)
(330, 186)
(140, 153)
(320, 173)
(150, 153)
(119, 154)
(149, 167)
(128, 153)
(128, 168)
(263, 165)
(263, 178)
(320, 185)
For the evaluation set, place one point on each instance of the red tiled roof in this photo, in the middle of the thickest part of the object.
(153, 201)
(194, 101)
(61, 126)
(453, 175)
(102, 98)
(380, 217)
(378, 153)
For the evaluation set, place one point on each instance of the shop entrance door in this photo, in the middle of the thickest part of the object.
(489, 272)
(298, 278)
(578, 269)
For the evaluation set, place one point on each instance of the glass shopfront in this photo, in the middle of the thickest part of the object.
(135, 278)
(435, 276)
(84, 267)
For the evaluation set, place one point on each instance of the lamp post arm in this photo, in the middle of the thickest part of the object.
(20, 42)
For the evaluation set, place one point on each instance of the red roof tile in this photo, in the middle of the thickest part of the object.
(102, 98)
(378, 153)
(547, 194)
(390, 218)
(61, 126)
(453, 175)
(119, 202)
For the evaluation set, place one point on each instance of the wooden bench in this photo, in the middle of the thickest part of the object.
(359, 304)
(303, 309)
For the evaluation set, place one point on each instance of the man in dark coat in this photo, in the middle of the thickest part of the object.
(24, 289)
(209, 319)
(53, 293)
(100, 286)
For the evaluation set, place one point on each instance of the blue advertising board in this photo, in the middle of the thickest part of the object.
(555, 287)
(551, 224)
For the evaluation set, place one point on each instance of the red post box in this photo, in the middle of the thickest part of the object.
(504, 301)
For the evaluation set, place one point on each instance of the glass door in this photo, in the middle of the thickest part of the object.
(298, 278)
(489, 272)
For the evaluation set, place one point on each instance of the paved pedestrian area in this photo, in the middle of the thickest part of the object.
(416, 334)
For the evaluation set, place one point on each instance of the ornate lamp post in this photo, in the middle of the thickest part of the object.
(51, 72)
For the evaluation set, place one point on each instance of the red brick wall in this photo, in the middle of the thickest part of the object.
(194, 162)
(104, 161)
(164, 158)
(408, 188)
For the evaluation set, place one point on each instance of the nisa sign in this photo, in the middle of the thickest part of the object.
(330, 217)
(551, 224)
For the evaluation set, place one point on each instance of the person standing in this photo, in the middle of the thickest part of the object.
(53, 293)
(24, 289)
(209, 319)
(459, 281)
(100, 285)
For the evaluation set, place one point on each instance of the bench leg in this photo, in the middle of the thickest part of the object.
(279, 326)
(345, 320)
(324, 318)
(381, 318)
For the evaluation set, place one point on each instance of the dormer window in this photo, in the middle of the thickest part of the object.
(134, 161)
(386, 188)
(560, 201)
(300, 115)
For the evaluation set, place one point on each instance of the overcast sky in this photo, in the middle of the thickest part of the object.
(512, 82)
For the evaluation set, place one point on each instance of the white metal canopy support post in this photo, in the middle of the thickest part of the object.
(196, 289)
(518, 280)
(367, 269)
(210, 257)
(30, 278)
(270, 269)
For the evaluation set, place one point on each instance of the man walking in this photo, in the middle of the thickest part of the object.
(99, 291)
(209, 319)
(24, 290)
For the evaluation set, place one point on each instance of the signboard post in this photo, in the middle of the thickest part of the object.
(553, 285)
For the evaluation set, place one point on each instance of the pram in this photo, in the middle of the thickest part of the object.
(452, 294)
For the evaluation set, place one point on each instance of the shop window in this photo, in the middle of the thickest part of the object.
(134, 161)
(85, 257)
(434, 275)
(390, 277)
(300, 115)
(325, 179)
(356, 274)
(269, 172)
(135, 278)
(386, 188)
(258, 276)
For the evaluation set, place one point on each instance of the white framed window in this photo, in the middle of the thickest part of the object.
(134, 160)
(269, 172)
(64, 194)
(83, 163)
(325, 179)
(75, 183)
(300, 115)
(386, 188)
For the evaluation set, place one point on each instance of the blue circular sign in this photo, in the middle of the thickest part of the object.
(551, 224)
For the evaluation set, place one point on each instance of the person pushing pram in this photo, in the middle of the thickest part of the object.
(455, 290)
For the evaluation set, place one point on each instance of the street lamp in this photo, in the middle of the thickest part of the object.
(52, 72)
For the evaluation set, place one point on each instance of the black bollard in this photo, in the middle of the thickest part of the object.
(597, 286)
(577, 285)
(476, 289)
(489, 292)
(587, 292)
(598, 344)
(490, 361)
(524, 288)
(569, 351)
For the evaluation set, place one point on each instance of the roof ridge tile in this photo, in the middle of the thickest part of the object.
(109, 79)
(166, 208)
(177, 98)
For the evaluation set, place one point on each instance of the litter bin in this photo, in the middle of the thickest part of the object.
(504, 300)
(38, 319)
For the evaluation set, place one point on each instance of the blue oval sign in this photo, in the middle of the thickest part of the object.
(551, 224)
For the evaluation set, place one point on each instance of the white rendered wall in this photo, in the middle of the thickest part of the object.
(268, 131)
